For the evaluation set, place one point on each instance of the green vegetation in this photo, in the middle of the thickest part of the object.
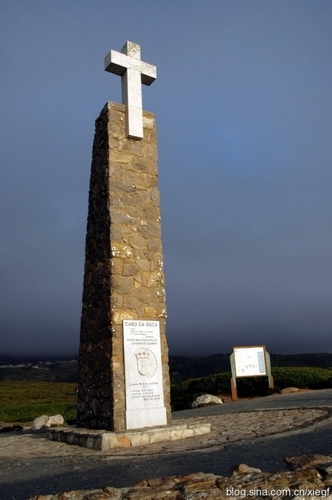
(302, 377)
(184, 393)
(23, 401)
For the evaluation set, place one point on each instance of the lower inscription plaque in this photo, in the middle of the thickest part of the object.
(143, 374)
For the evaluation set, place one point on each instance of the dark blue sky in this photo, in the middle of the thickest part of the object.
(244, 114)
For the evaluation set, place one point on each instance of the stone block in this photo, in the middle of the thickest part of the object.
(143, 264)
(122, 285)
(154, 244)
(158, 311)
(159, 436)
(130, 269)
(122, 314)
(137, 241)
(117, 266)
(131, 302)
(121, 250)
(77, 438)
(108, 441)
(188, 433)
(62, 437)
(148, 122)
(201, 429)
(70, 436)
(122, 442)
(139, 438)
(176, 434)
(93, 442)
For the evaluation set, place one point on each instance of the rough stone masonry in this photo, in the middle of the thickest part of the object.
(123, 277)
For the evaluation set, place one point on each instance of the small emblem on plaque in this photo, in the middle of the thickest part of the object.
(146, 362)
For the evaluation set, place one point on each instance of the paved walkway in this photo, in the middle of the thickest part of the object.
(254, 431)
(230, 423)
(225, 429)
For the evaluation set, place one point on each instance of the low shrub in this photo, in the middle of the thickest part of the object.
(302, 377)
(184, 393)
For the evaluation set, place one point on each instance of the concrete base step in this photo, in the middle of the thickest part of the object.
(105, 440)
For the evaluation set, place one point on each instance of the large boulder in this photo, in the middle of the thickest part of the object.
(206, 400)
(47, 421)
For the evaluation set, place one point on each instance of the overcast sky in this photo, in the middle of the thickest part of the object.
(244, 115)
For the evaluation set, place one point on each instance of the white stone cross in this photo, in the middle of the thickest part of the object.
(133, 72)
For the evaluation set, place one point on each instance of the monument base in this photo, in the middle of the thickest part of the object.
(103, 440)
(140, 418)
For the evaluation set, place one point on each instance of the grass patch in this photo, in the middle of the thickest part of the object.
(23, 401)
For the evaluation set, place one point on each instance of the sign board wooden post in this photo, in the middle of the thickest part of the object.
(249, 361)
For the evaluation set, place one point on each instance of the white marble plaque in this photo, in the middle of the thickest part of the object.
(143, 374)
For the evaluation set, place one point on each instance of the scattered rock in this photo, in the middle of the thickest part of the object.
(39, 422)
(289, 390)
(243, 469)
(206, 400)
(310, 460)
(245, 482)
(55, 420)
(47, 421)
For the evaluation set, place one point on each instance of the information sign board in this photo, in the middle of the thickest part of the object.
(249, 361)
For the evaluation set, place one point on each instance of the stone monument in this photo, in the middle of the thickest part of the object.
(123, 359)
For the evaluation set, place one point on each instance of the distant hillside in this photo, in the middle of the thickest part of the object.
(181, 368)
(321, 360)
(46, 371)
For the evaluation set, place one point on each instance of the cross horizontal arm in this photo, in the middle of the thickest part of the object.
(118, 63)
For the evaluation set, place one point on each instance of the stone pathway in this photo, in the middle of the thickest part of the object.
(225, 429)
